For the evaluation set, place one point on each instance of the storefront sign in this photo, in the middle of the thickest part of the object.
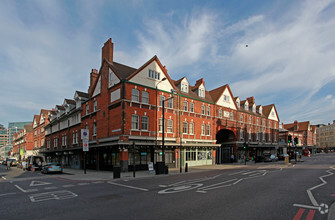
(151, 166)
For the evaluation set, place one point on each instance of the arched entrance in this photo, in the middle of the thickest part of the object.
(225, 137)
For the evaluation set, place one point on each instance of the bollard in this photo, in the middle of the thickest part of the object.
(186, 167)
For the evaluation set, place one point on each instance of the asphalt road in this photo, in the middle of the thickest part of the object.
(264, 191)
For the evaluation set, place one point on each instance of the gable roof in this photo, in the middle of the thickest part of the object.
(44, 112)
(302, 126)
(217, 93)
(266, 110)
(155, 58)
(120, 70)
(70, 101)
(37, 118)
(82, 94)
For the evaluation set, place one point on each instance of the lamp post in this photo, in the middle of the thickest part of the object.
(163, 125)
(152, 155)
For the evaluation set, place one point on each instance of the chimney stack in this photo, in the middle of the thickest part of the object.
(107, 51)
(93, 78)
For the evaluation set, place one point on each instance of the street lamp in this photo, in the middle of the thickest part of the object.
(163, 125)
(152, 155)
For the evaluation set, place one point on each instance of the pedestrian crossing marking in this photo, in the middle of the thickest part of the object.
(38, 183)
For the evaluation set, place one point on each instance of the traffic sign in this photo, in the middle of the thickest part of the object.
(84, 134)
(85, 145)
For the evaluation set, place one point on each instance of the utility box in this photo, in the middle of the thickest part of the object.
(160, 168)
(116, 172)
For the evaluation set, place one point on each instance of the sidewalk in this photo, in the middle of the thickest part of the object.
(94, 175)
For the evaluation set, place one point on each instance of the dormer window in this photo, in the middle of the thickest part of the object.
(246, 106)
(184, 87)
(238, 103)
(201, 92)
(254, 108)
(260, 110)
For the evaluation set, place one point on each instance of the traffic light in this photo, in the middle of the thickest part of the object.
(289, 138)
(295, 140)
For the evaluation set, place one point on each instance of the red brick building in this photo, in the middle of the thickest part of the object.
(124, 106)
(305, 134)
(39, 122)
(23, 142)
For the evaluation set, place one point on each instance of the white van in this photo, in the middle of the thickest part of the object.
(32, 163)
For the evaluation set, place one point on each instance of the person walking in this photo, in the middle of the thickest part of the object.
(8, 164)
(232, 158)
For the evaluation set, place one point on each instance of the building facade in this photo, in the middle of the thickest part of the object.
(13, 127)
(23, 142)
(39, 123)
(325, 135)
(305, 133)
(137, 116)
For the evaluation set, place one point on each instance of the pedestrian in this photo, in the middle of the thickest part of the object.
(232, 158)
(8, 164)
(39, 165)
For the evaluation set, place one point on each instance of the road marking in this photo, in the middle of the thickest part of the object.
(178, 189)
(306, 206)
(97, 182)
(51, 187)
(299, 214)
(57, 195)
(83, 184)
(7, 194)
(3, 178)
(238, 172)
(132, 187)
(38, 183)
(310, 215)
(67, 186)
(217, 185)
(309, 191)
(29, 190)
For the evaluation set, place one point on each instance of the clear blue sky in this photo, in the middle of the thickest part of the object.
(48, 49)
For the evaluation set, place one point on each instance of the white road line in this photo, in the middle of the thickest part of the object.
(132, 187)
(83, 184)
(57, 195)
(20, 188)
(3, 178)
(238, 172)
(51, 187)
(216, 186)
(97, 182)
(306, 206)
(309, 191)
(28, 190)
(249, 172)
(67, 186)
(6, 194)
(237, 181)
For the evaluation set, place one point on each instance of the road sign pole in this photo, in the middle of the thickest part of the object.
(84, 162)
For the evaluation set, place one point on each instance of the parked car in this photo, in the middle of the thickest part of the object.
(13, 162)
(267, 158)
(274, 158)
(52, 168)
(32, 162)
(281, 157)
